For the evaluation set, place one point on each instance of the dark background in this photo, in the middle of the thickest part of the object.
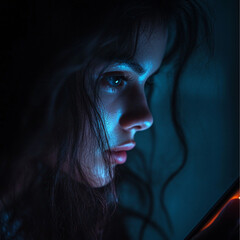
(209, 116)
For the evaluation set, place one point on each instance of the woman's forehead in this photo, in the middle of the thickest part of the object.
(151, 47)
(148, 54)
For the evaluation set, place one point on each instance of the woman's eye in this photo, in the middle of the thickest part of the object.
(113, 83)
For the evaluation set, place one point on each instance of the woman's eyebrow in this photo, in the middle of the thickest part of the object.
(135, 66)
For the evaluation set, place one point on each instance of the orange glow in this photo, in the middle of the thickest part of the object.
(235, 196)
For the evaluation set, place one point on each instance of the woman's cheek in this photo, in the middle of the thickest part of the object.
(110, 119)
(111, 111)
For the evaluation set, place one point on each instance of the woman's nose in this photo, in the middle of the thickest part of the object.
(137, 115)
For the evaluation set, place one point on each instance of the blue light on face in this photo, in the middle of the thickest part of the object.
(148, 67)
(142, 72)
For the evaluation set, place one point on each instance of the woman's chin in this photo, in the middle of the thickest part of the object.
(100, 176)
(100, 181)
(96, 177)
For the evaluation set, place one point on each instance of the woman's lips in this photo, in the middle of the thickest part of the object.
(118, 153)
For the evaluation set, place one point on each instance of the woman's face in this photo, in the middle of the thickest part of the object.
(124, 107)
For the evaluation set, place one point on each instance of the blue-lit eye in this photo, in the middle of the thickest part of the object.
(113, 83)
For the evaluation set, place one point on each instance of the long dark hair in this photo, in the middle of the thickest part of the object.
(46, 102)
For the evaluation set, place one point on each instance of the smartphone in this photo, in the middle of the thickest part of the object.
(232, 193)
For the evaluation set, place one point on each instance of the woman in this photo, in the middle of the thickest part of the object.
(73, 84)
